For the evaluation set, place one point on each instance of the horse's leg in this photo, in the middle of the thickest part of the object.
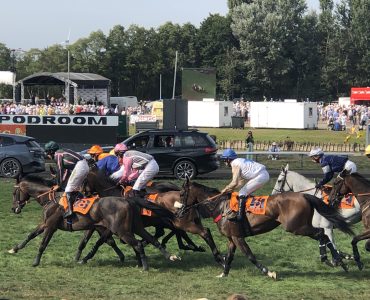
(39, 229)
(243, 246)
(190, 244)
(147, 236)
(48, 234)
(129, 239)
(103, 237)
(229, 258)
(356, 254)
(159, 231)
(86, 237)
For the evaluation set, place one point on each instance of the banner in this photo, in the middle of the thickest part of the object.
(61, 120)
(360, 93)
(13, 129)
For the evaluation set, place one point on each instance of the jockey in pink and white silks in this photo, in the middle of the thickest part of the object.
(250, 174)
(142, 163)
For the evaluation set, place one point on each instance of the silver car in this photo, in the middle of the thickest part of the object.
(19, 155)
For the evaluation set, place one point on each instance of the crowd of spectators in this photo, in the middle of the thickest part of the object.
(61, 107)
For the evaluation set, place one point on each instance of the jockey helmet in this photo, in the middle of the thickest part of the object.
(96, 149)
(51, 146)
(229, 154)
(367, 150)
(316, 152)
(120, 148)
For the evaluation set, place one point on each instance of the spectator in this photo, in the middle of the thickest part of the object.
(249, 144)
(288, 143)
(274, 149)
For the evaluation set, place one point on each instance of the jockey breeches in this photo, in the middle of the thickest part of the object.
(350, 166)
(255, 183)
(77, 177)
(150, 170)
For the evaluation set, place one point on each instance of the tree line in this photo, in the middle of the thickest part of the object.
(261, 49)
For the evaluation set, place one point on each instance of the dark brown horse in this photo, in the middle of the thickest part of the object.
(360, 187)
(170, 200)
(115, 215)
(291, 210)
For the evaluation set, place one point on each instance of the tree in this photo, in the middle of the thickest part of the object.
(234, 3)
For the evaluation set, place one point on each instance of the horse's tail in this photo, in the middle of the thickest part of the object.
(157, 209)
(329, 213)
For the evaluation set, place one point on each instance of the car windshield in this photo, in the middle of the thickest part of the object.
(32, 144)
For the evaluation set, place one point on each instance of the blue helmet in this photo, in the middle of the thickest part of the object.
(229, 154)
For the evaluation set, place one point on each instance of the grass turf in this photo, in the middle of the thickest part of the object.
(295, 259)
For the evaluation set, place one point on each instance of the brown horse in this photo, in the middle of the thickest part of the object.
(292, 210)
(360, 187)
(169, 200)
(115, 215)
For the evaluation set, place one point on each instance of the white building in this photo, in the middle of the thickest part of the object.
(210, 113)
(290, 115)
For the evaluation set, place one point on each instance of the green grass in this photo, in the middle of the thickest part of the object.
(295, 259)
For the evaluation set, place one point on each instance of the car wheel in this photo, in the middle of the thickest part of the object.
(184, 169)
(10, 168)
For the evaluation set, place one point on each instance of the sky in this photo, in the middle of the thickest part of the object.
(27, 24)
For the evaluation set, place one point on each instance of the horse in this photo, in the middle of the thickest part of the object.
(30, 186)
(360, 187)
(293, 211)
(295, 182)
(115, 215)
(170, 200)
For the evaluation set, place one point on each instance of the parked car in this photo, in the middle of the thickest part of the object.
(179, 152)
(20, 154)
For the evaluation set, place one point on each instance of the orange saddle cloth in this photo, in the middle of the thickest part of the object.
(255, 204)
(151, 198)
(347, 202)
(81, 206)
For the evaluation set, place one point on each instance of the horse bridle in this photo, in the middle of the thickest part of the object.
(284, 181)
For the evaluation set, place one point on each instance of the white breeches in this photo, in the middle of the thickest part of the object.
(78, 176)
(150, 170)
(350, 166)
(255, 183)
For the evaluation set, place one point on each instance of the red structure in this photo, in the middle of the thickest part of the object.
(360, 94)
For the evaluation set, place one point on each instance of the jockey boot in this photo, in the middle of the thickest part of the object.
(71, 196)
(241, 209)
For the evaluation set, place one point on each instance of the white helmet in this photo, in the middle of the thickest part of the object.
(316, 152)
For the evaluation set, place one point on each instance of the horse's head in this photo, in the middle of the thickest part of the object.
(282, 184)
(340, 188)
(20, 198)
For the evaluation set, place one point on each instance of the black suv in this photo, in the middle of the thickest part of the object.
(179, 152)
(20, 154)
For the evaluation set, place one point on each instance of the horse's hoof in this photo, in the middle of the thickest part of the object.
(82, 262)
(12, 251)
(174, 257)
(221, 275)
(35, 264)
(272, 275)
(329, 263)
(360, 265)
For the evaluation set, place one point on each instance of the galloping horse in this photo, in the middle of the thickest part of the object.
(289, 181)
(169, 200)
(292, 210)
(360, 187)
(117, 216)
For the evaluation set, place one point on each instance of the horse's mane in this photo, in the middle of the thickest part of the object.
(205, 188)
(37, 179)
(102, 177)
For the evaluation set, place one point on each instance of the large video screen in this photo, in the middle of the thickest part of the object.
(198, 83)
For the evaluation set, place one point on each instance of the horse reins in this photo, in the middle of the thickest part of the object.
(285, 181)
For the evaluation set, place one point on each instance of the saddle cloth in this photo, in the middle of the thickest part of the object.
(347, 202)
(151, 198)
(81, 206)
(254, 204)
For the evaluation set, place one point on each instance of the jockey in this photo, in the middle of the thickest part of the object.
(71, 162)
(331, 164)
(124, 172)
(97, 153)
(245, 172)
(138, 163)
